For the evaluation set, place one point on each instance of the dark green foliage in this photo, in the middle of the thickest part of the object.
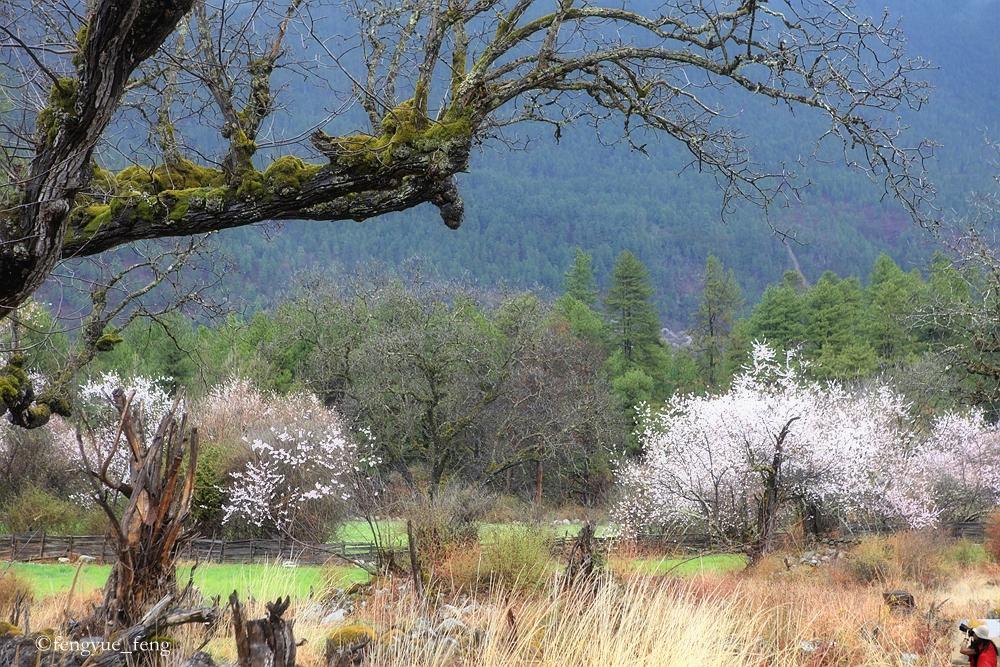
(635, 326)
(206, 507)
(579, 282)
(721, 300)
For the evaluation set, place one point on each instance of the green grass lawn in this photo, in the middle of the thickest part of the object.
(265, 582)
(260, 581)
(684, 566)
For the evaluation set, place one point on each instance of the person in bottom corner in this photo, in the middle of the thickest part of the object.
(981, 651)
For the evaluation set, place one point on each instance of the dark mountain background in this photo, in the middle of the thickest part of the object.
(527, 209)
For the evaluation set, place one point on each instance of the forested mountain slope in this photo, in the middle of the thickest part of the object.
(527, 209)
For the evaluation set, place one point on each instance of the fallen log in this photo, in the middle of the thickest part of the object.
(119, 650)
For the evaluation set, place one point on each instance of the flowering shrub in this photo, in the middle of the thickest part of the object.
(96, 407)
(300, 469)
(712, 460)
(954, 474)
(232, 408)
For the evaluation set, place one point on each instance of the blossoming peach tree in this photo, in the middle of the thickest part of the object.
(953, 474)
(300, 474)
(738, 462)
(295, 464)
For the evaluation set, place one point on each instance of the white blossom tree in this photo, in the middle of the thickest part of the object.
(735, 462)
(954, 473)
(99, 419)
(300, 469)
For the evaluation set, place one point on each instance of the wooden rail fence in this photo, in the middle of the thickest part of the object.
(41, 546)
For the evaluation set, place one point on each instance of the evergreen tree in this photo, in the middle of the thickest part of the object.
(892, 297)
(835, 329)
(634, 322)
(721, 297)
(579, 282)
(778, 318)
(834, 312)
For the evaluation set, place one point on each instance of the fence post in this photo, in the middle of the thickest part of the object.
(13, 546)
(69, 549)
(104, 546)
(41, 548)
(251, 550)
(222, 552)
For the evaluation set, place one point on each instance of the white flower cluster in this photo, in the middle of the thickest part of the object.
(954, 472)
(148, 397)
(707, 457)
(306, 456)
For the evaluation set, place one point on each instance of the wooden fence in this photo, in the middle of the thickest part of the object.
(40, 546)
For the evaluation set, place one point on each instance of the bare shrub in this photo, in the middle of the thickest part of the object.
(992, 534)
(922, 556)
(872, 562)
(448, 519)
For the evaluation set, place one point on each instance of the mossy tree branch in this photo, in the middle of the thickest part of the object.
(532, 64)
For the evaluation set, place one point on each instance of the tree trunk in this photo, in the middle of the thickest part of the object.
(265, 642)
(770, 503)
(538, 482)
(120, 35)
(150, 531)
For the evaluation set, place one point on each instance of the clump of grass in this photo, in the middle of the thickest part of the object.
(965, 554)
(518, 556)
(14, 590)
(872, 562)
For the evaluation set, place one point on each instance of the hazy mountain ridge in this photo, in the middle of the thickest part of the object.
(526, 210)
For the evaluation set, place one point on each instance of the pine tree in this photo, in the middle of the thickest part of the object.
(721, 298)
(579, 282)
(634, 322)
(892, 297)
(778, 318)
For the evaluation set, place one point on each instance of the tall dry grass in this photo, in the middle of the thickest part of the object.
(807, 617)
(644, 621)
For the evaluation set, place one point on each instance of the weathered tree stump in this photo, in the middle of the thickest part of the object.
(584, 561)
(899, 602)
(265, 642)
(150, 531)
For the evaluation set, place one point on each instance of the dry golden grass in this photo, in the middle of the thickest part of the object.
(808, 617)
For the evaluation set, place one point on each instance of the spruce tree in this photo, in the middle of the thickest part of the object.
(778, 318)
(634, 322)
(579, 282)
(721, 298)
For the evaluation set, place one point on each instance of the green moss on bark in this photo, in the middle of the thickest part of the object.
(403, 129)
(288, 174)
(107, 342)
(60, 109)
(13, 380)
(179, 175)
(81, 46)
